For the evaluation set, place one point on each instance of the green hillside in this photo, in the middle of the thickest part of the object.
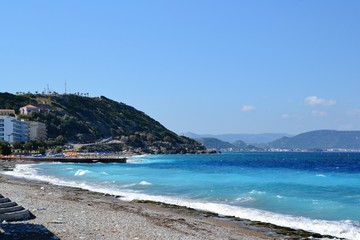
(321, 139)
(84, 120)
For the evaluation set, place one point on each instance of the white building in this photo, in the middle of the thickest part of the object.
(37, 131)
(28, 109)
(13, 130)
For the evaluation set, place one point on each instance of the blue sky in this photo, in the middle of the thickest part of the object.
(201, 66)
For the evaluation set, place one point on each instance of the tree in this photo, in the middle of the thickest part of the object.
(5, 148)
(60, 140)
(58, 149)
(150, 137)
(41, 150)
(17, 145)
(29, 146)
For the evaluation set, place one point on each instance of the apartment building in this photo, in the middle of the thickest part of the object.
(37, 130)
(13, 130)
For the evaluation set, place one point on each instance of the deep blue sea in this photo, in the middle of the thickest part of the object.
(318, 192)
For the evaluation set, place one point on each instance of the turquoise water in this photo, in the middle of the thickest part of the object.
(319, 192)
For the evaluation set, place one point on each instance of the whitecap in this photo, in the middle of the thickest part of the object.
(257, 192)
(145, 183)
(245, 199)
(320, 175)
(81, 172)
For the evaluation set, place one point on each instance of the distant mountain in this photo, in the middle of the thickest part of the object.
(82, 119)
(238, 146)
(247, 138)
(321, 139)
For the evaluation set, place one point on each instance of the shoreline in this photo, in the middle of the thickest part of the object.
(172, 221)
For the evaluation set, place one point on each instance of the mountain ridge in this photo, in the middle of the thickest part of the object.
(320, 139)
(260, 138)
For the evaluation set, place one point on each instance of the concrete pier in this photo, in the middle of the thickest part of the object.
(77, 159)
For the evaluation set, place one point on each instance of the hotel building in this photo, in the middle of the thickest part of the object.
(13, 130)
(37, 131)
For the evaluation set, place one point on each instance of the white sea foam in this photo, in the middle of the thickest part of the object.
(137, 158)
(133, 160)
(320, 175)
(245, 199)
(145, 183)
(343, 229)
(23, 170)
(255, 192)
(81, 172)
(140, 156)
(128, 185)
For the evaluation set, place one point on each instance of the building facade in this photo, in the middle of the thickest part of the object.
(7, 112)
(28, 109)
(37, 131)
(13, 130)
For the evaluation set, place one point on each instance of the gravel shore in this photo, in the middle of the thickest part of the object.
(71, 213)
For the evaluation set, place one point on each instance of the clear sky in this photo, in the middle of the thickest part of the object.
(281, 66)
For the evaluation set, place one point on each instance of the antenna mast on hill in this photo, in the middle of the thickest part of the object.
(65, 88)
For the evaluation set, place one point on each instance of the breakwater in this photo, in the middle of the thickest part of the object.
(73, 159)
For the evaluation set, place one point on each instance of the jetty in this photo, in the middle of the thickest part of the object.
(67, 159)
(79, 159)
(10, 211)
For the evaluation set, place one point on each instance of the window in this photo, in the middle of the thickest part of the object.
(1, 129)
(1, 125)
(1, 139)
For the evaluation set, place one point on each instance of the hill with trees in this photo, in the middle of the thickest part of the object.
(81, 119)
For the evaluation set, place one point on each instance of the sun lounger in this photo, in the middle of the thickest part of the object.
(11, 211)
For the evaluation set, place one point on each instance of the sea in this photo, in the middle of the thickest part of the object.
(318, 192)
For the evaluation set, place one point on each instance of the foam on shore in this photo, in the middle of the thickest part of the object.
(344, 229)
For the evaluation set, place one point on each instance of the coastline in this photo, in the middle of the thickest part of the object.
(70, 213)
